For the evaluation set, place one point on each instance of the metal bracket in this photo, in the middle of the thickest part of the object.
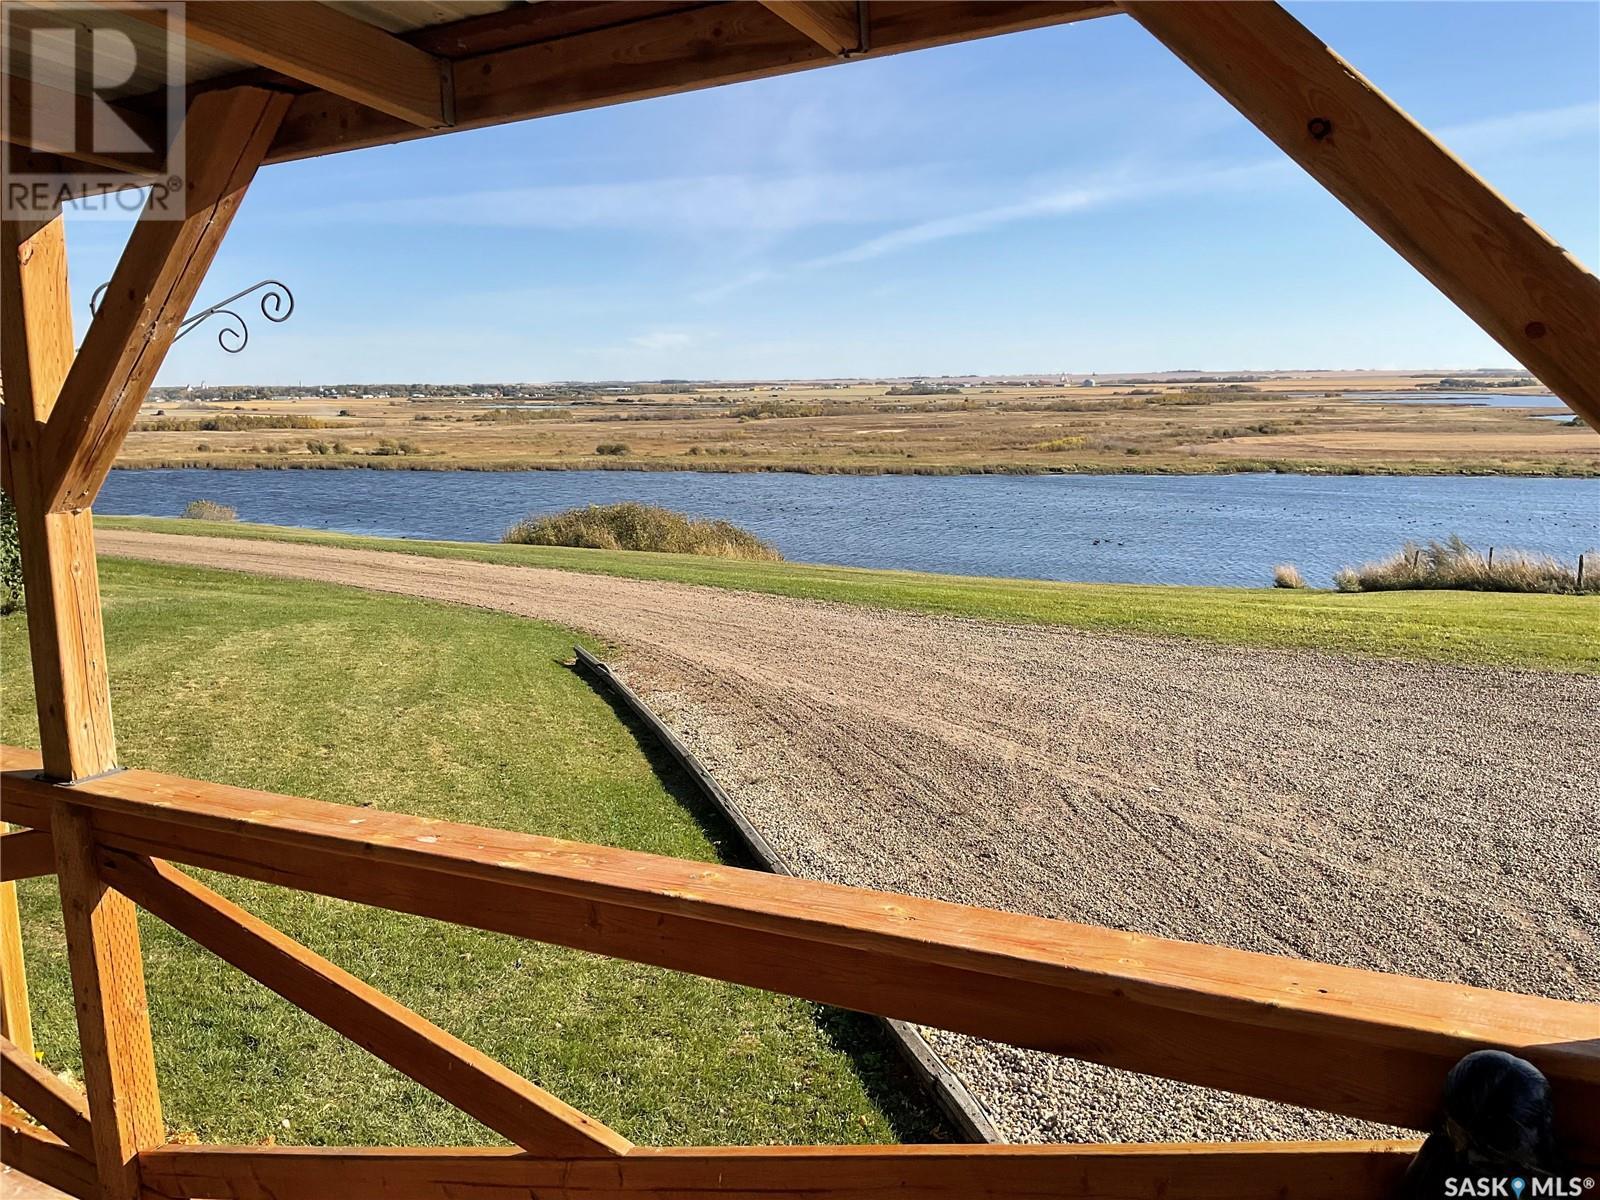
(70, 783)
(277, 305)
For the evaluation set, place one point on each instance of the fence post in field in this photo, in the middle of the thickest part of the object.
(1491, 558)
(1580, 572)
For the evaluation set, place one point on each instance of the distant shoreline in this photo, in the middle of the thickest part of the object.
(1211, 467)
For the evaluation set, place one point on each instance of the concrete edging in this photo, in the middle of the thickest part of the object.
(947, 1090)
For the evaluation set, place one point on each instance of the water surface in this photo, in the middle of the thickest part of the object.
(1481, 399)
(1197, 529)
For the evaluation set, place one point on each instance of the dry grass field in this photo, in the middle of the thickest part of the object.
(1314, 421)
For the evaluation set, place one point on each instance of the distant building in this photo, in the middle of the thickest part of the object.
(1087, 381)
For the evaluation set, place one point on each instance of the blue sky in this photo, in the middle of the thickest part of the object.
(1070, 199)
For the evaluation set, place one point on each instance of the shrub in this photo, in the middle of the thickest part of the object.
(514, 416)
(1287, 575)
(633, 526)
(227, 423)
(10, 558)
(1455, 564)
(388, 446)
(1056, 445)
(615, 448)
(761, 410)
(210, 510)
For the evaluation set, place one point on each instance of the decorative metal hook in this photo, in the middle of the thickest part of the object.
(277, 305)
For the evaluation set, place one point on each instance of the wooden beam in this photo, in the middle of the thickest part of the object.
(16, 1022)
(40, 1156)
(321, 46)
(74, 708)
(478, 1085)
(71, 689)
(1502, 270)
(1244, 1171)
(26, 854)
(525, 24)
(63, 610)
(119, 1068)
(835, 25)
(677, 51)
(22, 856)
(58, 566)
(59, 1107)
(1362, 1043)
(150, 293)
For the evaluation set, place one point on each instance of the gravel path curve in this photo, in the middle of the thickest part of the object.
(1424, 819)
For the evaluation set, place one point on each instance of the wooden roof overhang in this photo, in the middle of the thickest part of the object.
(265, 82)
(361, 75)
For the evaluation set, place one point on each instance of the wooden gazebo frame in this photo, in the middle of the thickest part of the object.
(288, 81)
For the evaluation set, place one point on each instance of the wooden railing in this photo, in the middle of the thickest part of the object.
(1356, 1042)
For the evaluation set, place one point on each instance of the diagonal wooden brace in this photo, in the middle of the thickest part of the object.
(478, 1085)
(1499, 268)
(227, 134)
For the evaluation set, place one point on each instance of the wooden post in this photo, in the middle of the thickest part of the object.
(58, 571)
(119, 1066)
(15, 1023)
(1501, 269)
(35, 352)
(74, 706)
(65, 420)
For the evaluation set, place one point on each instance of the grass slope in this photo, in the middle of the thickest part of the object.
(1489, 629)
(424, 708)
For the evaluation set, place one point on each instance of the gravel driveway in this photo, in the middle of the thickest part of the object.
(1429, 820)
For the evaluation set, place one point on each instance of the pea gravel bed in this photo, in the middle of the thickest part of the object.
(1423, 819)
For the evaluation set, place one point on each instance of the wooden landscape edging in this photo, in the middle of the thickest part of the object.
(943, 1084)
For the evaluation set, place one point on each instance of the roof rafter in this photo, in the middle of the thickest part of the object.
(835, 25)
(677, 51)
(321, 46)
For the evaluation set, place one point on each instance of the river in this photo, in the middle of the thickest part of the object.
(1194, 529)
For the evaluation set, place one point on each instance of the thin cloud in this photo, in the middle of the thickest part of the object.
(1523, 129)
(1056, 202)
(745, 203)
(1484, 136)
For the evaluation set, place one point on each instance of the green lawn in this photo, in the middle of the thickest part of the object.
(424, 708)
(1495, 629)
